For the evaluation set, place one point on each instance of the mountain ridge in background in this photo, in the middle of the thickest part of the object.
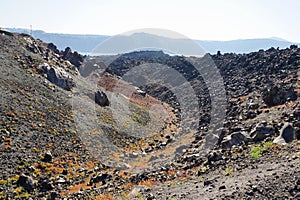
(86, 43)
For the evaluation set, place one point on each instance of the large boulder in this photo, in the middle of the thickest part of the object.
(101, 99)
(287, 134)
(261, 132)
(277, 95)
(57, 76)
(236, 138)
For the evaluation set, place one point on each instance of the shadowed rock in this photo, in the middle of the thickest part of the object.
(277, 95)
(287, 134)
(261, 131)
(103, 178)
(57, 76)
(74, 58)
(101, 99)
(26, 182)
(235, 139)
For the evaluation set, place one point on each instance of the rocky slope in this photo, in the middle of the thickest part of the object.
(63, 137)
(65, 132)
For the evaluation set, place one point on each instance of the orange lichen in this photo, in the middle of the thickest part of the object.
(148, 183)
(128, 186)
(90, 165)
(82, 186)
(104, 197)
(241, 98)
(171, 172)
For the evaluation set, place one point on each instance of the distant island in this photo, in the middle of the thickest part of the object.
(85, 44)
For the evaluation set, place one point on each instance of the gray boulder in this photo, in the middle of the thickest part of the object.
(261, 132)
(287, 134)
(57, 76)
(236, 138)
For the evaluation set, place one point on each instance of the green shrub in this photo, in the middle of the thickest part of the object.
(256, 152)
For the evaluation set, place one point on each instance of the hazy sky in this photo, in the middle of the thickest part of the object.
(197, 19)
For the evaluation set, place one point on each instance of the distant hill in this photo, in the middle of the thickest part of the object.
(86, 43)
(243, 45)
(80, 43)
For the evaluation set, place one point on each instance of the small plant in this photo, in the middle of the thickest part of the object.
(268, 145)
(140, 196)
(202, 169)
(3, 182)
(13, 179)
(228, 171)
(24, 195)
(256, 152)
(18, 190)
(124, 195)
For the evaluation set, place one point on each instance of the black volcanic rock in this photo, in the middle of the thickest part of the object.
(287, 134)
(101, 99)
(103, 178)
(276, 95)
(74, 58)
(26, 182)
(53, 48)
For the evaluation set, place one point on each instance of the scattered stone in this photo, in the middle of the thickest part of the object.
(32, 168)
(53, 47)
(207, 182)
(60, 180)
(214, 156)
(57, 76)
(243, 76)
(101, 99)
(47, 157)
(222, 187)
(136, 190)
(46, 185)
(100, 178)
(54, 195)
(150, 196)
(133, 155)
(26, 182)
(253, 106)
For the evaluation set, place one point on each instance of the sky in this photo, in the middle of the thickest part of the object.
(196, 19)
